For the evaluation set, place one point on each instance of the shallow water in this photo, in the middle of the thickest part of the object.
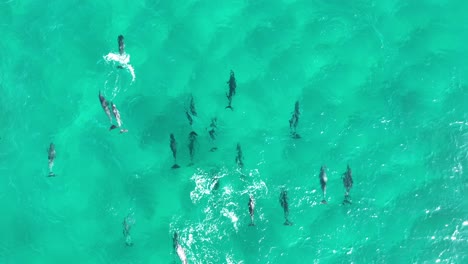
(381, 87)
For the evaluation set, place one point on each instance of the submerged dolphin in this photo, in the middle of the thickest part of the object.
(193, 111)
(127, 226)
(284, 203)
(173, 145)
(232, 89)
(239, 157)
(212, 133)
(51, 154)
(348, 184)
(189, 118)
(192, 140)
(293, 122)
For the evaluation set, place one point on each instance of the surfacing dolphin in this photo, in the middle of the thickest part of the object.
(323, 183)
(178, 248)
(251, 209)
(117, 117)
(105, 107)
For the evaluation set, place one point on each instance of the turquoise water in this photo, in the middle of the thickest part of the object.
(381, 84)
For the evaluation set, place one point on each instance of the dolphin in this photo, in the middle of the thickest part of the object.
(212, 132)
(127, 225)
(323, 182)
(189, 117)
(239, 157)
(348, 184)
(293, 122)
(117, 117)
(284, 203)
(192, 140)
(120, 40)
(251, 210)
(105, 106)
(178, 248)
(232, 89)
(174, 151)
(193, 111)
(51, 152)
(215, 183)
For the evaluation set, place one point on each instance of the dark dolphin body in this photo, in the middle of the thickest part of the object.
(178, 248)
(105, 106)
(215, 183)
(189, 117)
(232, 89)
(323, 182)
(348, 184)
(284, 203)
(127, 226)
(174, 151)
(212, 133)
(192, 141)
(251, 210)
(193, 111)
(239, 157)
(214, 186)
(51, 156)
(121, 42)
(294, 121)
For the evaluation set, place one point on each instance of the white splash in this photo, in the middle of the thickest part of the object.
(123, 60)
(232, 216)
(202, 186)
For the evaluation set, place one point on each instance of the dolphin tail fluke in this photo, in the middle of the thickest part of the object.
(128, 241)
(252, 224)
(175, 166)
(213, 149)
(51, 174)
(296, 135)
(230, 107)
(190, 164)
(346, 200)
(288, 223)
(324, 201)
(112, 127)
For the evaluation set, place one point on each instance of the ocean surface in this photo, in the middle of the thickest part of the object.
(382, 86)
